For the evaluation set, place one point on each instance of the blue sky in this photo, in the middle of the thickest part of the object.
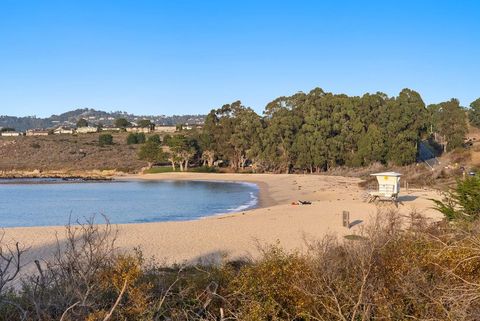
(178, 57)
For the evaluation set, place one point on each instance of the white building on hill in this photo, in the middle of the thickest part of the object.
(63, 130)
(87, 129)
(11, 134)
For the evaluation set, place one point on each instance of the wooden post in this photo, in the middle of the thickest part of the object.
(346, 219)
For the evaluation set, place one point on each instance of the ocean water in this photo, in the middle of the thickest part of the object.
(55, 202)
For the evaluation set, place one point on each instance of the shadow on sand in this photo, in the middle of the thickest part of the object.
(406, 198)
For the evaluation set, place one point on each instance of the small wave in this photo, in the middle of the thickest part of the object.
(250, 204)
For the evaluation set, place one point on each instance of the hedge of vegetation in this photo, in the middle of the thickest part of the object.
(317, 131)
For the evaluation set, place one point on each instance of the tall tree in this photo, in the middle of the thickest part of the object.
(122, 123)
(182, 149)
(283, 120)
(146, 123)
(371, 146)
(407, 123)
(474, 113)
(450, 121)
(232, 133)
(82, 123)
(151, 152)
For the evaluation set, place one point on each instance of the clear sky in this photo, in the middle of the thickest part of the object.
(178, 57)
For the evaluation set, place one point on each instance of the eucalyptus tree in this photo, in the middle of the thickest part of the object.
(181, 150)
(371, 147)
(450, 121)
(407, 123)
(232, 133)
(122, 123)
(209, 138)
(283, 120)
(245, 137)
(474, 113)
(151, 152)
(319, 130)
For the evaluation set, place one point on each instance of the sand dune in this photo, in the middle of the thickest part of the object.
(239, 234)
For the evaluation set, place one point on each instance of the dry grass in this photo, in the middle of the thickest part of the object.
(68, 153)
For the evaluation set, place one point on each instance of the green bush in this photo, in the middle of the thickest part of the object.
(155, 138)
(131, 139)
(105, 139)
(141, 138)
(463, 201)
(136, 138)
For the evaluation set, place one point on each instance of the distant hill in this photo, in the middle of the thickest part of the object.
(94, 117)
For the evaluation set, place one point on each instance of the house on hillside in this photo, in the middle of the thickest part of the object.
(165, 129)
(63, 130)
(145, 130)
(38, 132)
(86, 130)
(110, 129)
(11, 134)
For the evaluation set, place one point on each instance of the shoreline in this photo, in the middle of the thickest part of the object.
(264, 198)
(240, 234)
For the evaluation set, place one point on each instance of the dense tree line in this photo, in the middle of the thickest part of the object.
(317, 131)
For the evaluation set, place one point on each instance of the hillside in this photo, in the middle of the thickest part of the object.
(77, 155)
(68, 153)
(94, 117)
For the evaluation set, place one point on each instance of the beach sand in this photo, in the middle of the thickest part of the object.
(238, 235)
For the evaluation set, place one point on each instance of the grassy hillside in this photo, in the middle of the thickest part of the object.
(68, 153)
(77, 154)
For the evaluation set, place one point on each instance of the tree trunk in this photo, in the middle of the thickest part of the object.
(181, 166)
(173, 165)
(186, 165)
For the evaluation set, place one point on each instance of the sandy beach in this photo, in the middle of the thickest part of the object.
(236, 235)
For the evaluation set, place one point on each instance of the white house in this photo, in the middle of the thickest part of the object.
(87, 129)
(63, 130)
(11, 134)
(110, 129)
(37, 132)
(139, 129)
(165, 129)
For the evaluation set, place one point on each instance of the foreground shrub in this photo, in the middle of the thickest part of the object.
(136, 138)
(463, 201)
(105, 139)
(397, 269)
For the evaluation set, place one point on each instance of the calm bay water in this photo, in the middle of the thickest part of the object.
(52, 202)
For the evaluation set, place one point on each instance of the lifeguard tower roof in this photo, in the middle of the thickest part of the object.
(391, 174)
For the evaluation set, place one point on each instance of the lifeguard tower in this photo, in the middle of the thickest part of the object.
(388, 187)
